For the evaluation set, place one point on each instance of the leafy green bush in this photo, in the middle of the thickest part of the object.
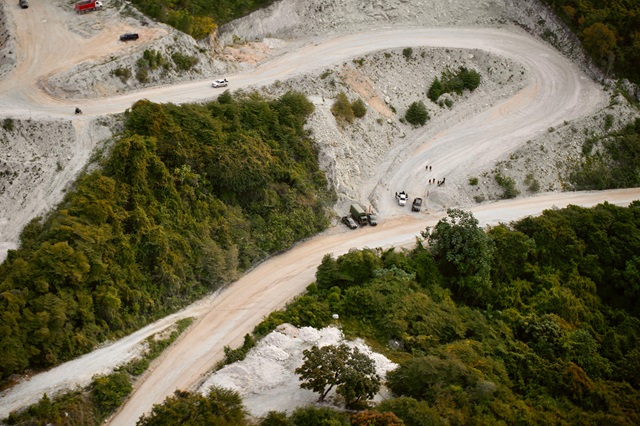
(342, 109)
(473, 181)
(184, 62)
(359, 108)
(123, 73)
(508, 185)
(453, 82)
(7, 124)
(417, 114)
(219, 407)
(407, 52)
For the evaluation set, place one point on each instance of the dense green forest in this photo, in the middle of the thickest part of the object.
(537, 322)
(185, 200)
(610, 161)
(198, 17)
(608, 29)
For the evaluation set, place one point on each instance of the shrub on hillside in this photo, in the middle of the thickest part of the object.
(417, 114)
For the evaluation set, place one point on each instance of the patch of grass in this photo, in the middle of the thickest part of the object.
(473, 181)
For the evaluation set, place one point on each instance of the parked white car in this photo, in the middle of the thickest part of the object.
(220, 83)
(402, 198)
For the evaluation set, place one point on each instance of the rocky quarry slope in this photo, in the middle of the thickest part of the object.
(386, 81)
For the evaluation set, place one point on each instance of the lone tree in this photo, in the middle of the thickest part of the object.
(417, 114)
(349, 370)
(463, 252)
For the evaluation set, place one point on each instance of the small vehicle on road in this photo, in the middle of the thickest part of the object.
(402, 198)
(129, 36)
(372, 218)
(220, 83)
(348, 220)
(23, 4)
(417, 204)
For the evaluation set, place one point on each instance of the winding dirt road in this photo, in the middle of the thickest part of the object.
(556, 90)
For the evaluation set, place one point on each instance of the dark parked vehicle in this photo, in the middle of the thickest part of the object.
(129, 36)
(417, 204)
(23, 4)
(348, 220)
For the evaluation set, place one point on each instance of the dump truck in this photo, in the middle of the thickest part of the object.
(87, 6)
(358, 214)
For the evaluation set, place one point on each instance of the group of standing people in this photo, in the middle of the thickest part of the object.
(432, 181)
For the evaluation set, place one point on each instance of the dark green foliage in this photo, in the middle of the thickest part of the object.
(407, 52)
(187, 199)
(464, 254)
(555, 340)
(417, 114)
(219, 407)
(615, 165)
(72, 408)
(149, 61)
(102, 397)
(275, 418)
(183, 62)
(109, 391)
(233, 355)
(306, 416)
(7, 124)
(453, 82)
(608, 30)
(350, 371)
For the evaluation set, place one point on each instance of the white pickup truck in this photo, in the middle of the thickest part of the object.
(402, 198)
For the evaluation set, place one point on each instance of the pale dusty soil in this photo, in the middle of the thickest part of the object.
(527, 117)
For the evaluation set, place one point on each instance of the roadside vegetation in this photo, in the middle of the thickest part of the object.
(608, 30)
(188, 198)
(608, 162)
(92, 405)
(536, 322)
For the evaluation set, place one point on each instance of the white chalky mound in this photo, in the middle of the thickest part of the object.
(266, 378)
